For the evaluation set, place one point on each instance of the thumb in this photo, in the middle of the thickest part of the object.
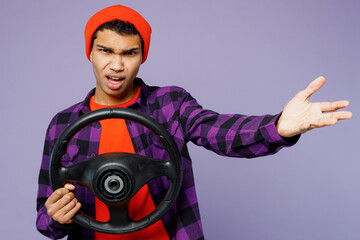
(69, 186)
(313, 87)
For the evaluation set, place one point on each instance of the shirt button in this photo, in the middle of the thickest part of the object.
(97, 125)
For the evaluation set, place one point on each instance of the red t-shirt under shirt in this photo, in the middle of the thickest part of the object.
(115, 138)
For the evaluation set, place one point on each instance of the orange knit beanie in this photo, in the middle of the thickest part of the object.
(120, 13)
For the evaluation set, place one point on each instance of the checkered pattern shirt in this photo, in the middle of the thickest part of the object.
(228, 135)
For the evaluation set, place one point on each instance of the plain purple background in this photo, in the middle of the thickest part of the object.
(246, 57)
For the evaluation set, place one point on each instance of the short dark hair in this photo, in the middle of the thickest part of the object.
(120, 27)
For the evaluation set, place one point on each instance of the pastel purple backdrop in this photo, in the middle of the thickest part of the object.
(246, 57)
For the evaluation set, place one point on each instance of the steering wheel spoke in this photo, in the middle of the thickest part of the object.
(151, 168)
(119, 215)
(82, 173)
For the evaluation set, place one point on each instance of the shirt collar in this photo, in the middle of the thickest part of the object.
(85, 106)
(141, 101)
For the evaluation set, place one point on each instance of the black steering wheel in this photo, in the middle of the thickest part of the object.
(115, 178)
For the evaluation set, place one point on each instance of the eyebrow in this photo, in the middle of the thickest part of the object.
(131, 50)
(104, 47)
(112, 50)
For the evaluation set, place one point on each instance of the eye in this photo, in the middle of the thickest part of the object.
(105, 50)
(130, 52)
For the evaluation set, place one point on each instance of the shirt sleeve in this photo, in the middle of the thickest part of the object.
(232, 135)
(44, 223)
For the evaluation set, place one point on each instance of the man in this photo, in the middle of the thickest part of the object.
(117, 43)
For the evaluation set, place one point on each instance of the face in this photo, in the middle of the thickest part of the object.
(116, 60)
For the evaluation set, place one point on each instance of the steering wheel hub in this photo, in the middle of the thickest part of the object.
(113, 185)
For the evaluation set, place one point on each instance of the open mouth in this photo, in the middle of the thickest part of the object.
(114, 82)
(114, 79)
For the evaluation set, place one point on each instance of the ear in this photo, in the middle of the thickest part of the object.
(91, 58)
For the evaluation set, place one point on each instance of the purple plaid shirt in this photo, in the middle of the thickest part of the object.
(228, 135)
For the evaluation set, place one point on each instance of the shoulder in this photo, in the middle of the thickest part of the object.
(156, 93)
(70, 114)
(168, 104)
(63, 119)
(167, 94)
(67, 114)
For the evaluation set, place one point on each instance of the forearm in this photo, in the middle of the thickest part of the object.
(44, 223)
(235, 135)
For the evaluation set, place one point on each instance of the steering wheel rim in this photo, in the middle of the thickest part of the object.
(124, 164)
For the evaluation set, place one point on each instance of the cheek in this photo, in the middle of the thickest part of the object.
(95, 69)
(134, 71)
(134, 66)
(98, 65)
(97, 72)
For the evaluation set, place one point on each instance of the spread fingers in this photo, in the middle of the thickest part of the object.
(333, 106)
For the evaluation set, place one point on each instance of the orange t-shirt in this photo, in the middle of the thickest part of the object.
(115, 137)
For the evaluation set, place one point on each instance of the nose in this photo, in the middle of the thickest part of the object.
(117, 63)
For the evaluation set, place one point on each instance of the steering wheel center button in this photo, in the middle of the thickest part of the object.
(114, 184)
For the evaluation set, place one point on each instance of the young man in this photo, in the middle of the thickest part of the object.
(117, 43)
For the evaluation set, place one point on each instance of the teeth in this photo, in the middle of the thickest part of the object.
(113, 78)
